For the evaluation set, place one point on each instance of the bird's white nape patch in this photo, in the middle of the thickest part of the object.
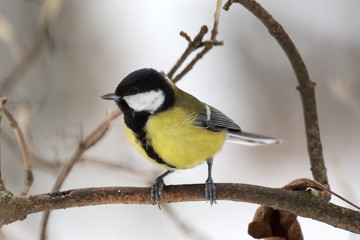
(146, 101)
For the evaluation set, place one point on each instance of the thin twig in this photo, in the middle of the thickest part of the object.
(192, 63)
(196, 44)
(84, 145)
(2, 103)
(187, 37)
(192, 46)
(24, 151)
(306, 87)
(215, 31)
(300, 203)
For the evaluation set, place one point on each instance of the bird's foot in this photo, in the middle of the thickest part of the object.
(210, 191)
(156, 190)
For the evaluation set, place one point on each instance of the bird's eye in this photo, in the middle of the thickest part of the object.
(134, 90)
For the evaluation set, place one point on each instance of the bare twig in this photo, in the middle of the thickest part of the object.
(50, 10)
(2, 103)
(193, 45)
(24, 151)
(214, 31)
(306, 87)
(84, 145)
(14, 208)
(196, 44)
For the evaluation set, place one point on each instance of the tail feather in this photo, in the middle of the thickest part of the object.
(251, 139)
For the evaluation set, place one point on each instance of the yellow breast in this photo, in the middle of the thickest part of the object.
(178, 142)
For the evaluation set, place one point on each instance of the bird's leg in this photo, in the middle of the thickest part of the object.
(157, 188)
(210, 191)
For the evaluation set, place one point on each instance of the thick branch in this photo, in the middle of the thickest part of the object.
(297, 202)
(306, 86)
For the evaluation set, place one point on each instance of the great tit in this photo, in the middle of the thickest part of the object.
(173, 129)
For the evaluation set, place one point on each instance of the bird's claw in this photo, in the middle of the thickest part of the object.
(210, 191)
(156, 190)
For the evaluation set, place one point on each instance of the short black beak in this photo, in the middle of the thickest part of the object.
(111, 96)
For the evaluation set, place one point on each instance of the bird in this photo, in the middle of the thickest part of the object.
(173, 129)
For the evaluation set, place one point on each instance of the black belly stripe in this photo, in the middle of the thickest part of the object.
(136, 122)
(150, 150)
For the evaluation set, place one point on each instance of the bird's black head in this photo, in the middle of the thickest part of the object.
(143, 91)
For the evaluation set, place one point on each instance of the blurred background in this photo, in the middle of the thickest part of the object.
(89, 46)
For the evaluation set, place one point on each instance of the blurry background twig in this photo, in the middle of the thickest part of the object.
(24, 151)
(2, 102)
(50, 10)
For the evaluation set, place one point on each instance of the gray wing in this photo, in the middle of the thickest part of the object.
(214, 120)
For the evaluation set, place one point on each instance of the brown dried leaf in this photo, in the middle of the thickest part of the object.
(273, 224)
(260, 227)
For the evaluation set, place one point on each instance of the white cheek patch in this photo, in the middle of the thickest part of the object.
(146, 101)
